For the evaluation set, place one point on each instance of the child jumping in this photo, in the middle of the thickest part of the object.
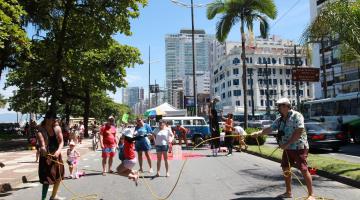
(128, 157)
(72, 160)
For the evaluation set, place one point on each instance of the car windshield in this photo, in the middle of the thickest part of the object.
(315, 127)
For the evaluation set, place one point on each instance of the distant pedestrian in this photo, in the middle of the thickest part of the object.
(51, 169)
(181, 133)
(81, 131)
(293, 140)
(128, 159)
(108, 144)
(214, 126)
(238, 130)
(143, 130)
(72, 159)
(162, 140)
(229, 140)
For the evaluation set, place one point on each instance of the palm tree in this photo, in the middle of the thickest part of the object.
(245, 12)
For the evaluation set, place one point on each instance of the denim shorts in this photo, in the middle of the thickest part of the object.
(161, 148)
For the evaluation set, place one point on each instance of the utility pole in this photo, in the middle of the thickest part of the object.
(324, 67)
(297, 82)
(149, 80)
(267, 90)
(252, 94)
(193, 54)
(156, 94)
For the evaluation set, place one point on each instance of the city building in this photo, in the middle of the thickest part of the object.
(178, 48)
(341, 78)
(279, 54)
(132, 95)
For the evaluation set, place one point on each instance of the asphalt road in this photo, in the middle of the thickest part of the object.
(349, 152)
(241, 176)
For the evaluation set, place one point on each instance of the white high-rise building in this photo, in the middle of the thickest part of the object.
(178, 48)
(279, 54)
(132, 95)
(341, 77)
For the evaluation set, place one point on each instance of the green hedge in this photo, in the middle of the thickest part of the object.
(252, 141)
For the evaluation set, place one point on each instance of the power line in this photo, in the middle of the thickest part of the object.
(287, 12)
(179, 3)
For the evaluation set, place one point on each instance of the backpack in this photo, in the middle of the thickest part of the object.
(121, 152)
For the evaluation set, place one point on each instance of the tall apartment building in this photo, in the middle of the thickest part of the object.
(179, 66)
(279, 54)
(132, 95)
(341, 77)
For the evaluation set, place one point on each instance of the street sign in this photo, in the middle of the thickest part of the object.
(154, 88)
(189, 101)
(306, 74)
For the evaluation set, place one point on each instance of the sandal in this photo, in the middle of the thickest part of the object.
(104, 173)
(285, 195)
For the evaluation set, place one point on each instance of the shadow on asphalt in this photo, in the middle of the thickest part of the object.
(258, 198)
(5, 194)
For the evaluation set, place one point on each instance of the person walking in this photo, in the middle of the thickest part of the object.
(51, 167)
(181, 132)
(214, 126)
(229, 140)
(293, 140)
(81, 131)
(162, 141)
(142, 144)
(108, 145)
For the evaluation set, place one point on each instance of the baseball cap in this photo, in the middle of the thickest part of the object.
(283, 101)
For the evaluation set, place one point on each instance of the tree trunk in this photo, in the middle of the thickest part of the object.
(244, 75)
(86, 111)
(324, 67)
(67, 113)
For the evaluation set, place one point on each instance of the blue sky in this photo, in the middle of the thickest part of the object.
(161, 17)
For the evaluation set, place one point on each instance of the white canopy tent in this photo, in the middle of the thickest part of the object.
(169, 110)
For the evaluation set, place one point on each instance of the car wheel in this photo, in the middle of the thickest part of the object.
(356, 138)
(335, 149)
(198, 140)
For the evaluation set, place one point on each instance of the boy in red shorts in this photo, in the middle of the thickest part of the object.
(108, 144)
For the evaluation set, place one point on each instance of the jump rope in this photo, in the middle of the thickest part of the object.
(76, 196)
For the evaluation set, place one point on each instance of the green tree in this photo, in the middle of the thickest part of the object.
(76, 26)
(2, 101)
(245, 12)
(13, 39)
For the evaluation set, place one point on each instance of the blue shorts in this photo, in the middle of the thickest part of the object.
(143, 145)
(161, 148)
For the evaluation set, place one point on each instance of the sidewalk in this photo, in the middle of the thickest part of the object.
(22, 163)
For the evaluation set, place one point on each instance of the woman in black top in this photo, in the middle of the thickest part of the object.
(214, 127)
(51, 169)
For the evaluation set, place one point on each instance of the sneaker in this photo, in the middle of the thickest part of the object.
(228, 155)
(151, 171)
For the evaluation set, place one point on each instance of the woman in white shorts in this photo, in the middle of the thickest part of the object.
(162, 139)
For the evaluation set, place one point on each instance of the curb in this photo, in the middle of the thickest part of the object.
(335, 177)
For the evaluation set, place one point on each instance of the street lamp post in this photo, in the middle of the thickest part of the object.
(193, 55)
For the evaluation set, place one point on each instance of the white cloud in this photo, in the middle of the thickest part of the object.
(132, 78)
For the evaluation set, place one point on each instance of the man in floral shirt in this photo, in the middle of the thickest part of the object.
(292, 139)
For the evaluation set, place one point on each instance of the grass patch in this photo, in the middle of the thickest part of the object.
(328, 164)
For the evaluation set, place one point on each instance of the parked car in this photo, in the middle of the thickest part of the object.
(319, 136)
(352, 128)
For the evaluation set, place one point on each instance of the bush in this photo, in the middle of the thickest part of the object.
(252, 141)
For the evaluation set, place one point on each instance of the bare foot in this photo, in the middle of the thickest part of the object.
(285, 195)
(167, 174)
(157, 174)
(311, 198)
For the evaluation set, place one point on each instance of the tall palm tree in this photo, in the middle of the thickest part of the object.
(245, 12)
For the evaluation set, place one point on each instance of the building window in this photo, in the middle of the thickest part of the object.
(262, 102)
(260, 81)
(250, 59)
(237, 93)
(280, 61)
(223, 85)
(229, 83)
(222, 76)
(215, 89)
(249, 103)
(229, 94)
(280, 71)
(236, 71)
(220, 68)
(281, 83)
(237, 103)
(271, 103)
(275, 81)
(293, 92)
(262, 92)
(288, 92)
(223, 95)
(287, 81)
(264, 60)
(236, 82)
(250, 81)
(259, 61)
(236, 61)
(288, 72)
(274, 71)
(282, 92)
(228, 73)
(301, 92)
(268, 61)
(260, 72)
(308, 92)
(270, 81)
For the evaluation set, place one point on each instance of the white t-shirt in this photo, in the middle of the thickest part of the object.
(239, 130)
(162, 137)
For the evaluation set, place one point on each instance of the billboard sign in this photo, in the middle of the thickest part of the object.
(306, 74)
